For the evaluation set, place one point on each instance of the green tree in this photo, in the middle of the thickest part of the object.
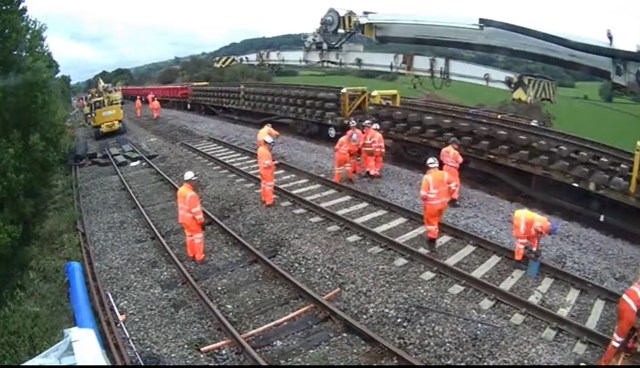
(168, 75)
(606, 92)
(32, 143)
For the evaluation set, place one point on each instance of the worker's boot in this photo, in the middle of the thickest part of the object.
(520, 265)
(454, 203)
(431, 244)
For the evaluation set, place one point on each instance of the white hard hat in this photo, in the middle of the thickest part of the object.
(354, 137)
(268, 140)
(268, 125)
(352, 123)
(367, 123)
(375, 126)
(189, 176)
(432, 162)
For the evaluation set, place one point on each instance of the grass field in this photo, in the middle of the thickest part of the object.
(616, 124)
(35, 313)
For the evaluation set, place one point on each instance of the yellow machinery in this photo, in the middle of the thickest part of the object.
(633, 184)
(105, 110)
(354, 99)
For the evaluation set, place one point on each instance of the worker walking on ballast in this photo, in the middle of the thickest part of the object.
(377, 142)
(435, 192)
(628, 307)
(155, 107)
(528, 228)
(191, 217)
(451, 161)
(367, 147)
(342, 158)
(266, 165)
(138, 107)
(267, 130)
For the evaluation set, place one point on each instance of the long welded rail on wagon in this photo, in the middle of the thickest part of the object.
(505, 296)
(316, 299)
(98, 300)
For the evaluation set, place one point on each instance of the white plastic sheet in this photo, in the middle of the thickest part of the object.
(78, 347)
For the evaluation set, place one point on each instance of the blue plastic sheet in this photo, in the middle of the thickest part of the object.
(79, 298)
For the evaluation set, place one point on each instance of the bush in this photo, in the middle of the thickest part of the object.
(389, 77)
(286, 73)
(606, 92)
(369, 74)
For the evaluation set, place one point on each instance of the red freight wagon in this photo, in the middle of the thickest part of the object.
(175, 92)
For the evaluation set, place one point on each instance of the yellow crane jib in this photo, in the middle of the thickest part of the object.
(633, 184)
(224, 61)
(353, 98)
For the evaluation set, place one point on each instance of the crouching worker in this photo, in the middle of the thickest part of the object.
(528, 229)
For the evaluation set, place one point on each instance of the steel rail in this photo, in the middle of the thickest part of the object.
(318, 300)
(591, 287)
(108, 325)
(247, 350)
(523, 305)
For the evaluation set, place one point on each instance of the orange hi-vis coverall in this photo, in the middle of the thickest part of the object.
(150, 99)
(266, 131)
(355, 149)
(155, 107)
(138, 106)
(191, 218)
(528, 228)
(435, 192)
(378, 152)
(367, 149)
(628, 306)
(451, 160)
(266, 167)
(342, 159)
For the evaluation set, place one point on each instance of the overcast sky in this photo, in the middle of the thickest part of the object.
(86, 40)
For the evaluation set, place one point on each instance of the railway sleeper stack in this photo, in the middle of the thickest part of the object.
(538, 150)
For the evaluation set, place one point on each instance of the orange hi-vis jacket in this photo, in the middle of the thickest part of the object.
(150, 98)
(138, 103)
(378, 143)
(190, 214)
(528, 224)
(344, 146)
(358, 134)
(266, 131)
(436, 188)
(449, 156)
(367, 144)
(632, 297)
(265, 161)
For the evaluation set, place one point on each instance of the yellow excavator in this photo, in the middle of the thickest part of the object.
(105, 110)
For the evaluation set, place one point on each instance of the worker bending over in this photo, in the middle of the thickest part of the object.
(191, 217)
(628, 306)
(267, 130)
(377, 142)
(435, 191)
(367, 147)
(155, 107)
(342, 158)
(528, 228)
(354, 154)
(266, 166)
(451, 160)
(138, 106)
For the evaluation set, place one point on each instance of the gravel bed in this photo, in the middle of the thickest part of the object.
(388, 298)
(577, 248)
(165, 321)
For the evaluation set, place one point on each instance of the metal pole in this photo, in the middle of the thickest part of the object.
(124, 328)
(636, 167)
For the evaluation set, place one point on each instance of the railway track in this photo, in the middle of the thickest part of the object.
(250, 295)
(117, 350)
(581, 308)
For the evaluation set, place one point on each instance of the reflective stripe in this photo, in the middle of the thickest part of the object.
(615, 344)
(617, 338)
(630, 302)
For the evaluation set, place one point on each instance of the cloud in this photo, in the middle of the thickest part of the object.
(89, 36)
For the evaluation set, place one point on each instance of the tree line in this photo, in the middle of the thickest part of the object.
(33, 142)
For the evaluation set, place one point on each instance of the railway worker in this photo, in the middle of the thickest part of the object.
(610, 37)
(138, 106)
(378, 150)
(435, 191)
(367, 147)
(155, 107)
(342, 158)
(354, 154)
(451, 160)
(191, 217)
(266, 165)
(528, 228)
(628, 306)
(266, 130)
(150, 97)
